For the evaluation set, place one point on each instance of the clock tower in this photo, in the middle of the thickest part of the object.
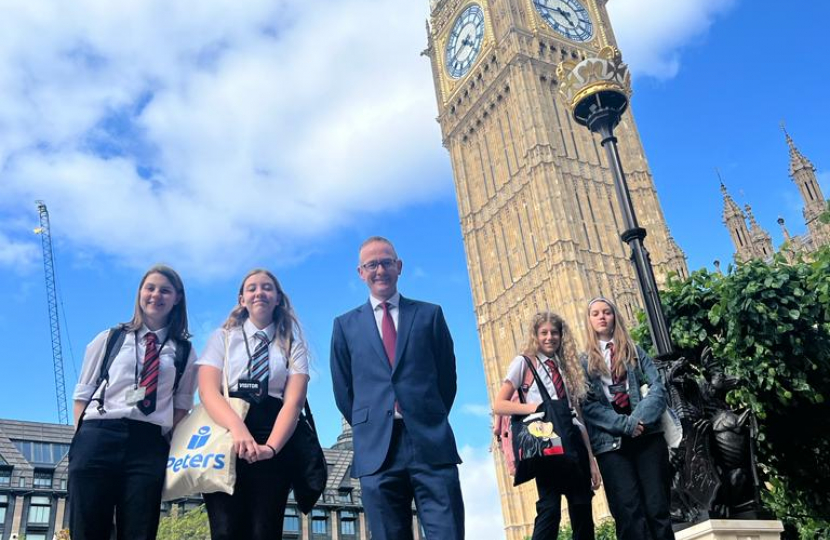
(538, 211)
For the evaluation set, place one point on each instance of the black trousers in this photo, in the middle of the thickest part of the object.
(638, 487)
(116, 466)
(256, 509)
(388, 494)
(574, 483)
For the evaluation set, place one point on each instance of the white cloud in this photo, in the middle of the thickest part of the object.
(187, 131)
(16, 254)
(483, 517)
(477, 409)
(214, 137)
(652, 33)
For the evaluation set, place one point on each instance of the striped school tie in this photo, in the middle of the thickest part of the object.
(149, 374)
(620, 400)
(556, 377)
(259, 365)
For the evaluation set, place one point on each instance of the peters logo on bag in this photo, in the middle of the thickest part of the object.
(197, 459)
(199, 439)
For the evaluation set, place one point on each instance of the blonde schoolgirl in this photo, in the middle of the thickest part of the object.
(624, 426)
(267, 366)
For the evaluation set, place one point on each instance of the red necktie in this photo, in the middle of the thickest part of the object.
(149, 374)
(388, 333)
(556, 377)
(620, 399)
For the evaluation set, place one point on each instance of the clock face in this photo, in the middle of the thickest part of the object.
(568, 17)
(464, 42)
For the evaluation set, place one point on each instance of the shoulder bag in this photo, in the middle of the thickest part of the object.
(546, 437)
(202, 458)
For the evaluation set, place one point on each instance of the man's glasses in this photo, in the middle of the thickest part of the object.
(372, 266)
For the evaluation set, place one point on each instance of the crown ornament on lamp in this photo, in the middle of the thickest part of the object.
(601, 81)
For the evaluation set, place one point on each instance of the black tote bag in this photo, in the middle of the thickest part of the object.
(548, 436)
(308, 470)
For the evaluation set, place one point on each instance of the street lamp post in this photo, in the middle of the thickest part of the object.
(597, 90)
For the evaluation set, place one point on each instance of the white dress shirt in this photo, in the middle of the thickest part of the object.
(394, 310)
(122, 379)
(606, 379)
(518, 365)
(238, 360)
(514, 376)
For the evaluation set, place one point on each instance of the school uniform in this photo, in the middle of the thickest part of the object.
(256, 509)
(119, 453)
(554, 482)
(635, 470)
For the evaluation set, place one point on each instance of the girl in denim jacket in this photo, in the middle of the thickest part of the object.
(624, 426)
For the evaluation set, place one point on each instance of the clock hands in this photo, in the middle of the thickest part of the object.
(565, 14)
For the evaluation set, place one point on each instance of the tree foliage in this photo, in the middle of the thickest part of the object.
(769, 325)
(190, 525)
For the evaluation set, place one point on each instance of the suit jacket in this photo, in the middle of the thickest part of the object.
(423, 382)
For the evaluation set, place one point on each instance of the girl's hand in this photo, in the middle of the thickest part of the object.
(638, 430)
(243, 443)
(264, 452)
(596, 478)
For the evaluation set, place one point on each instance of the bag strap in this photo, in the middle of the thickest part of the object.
(525, 381)
(227, 387)
(183, 347)
(539, 384)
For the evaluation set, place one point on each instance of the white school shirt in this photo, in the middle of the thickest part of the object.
(394, 310)
(606, 379)
(238, 359)
(514, 376)
(122, 379)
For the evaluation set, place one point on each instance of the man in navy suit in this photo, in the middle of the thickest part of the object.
(393, 370)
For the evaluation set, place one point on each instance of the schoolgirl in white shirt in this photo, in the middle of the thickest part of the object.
(119, 453)
(267, 366)
(553, 353)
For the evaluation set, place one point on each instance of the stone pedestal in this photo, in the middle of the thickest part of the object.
(732, 529)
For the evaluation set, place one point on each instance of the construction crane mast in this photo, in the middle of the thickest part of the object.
(52, 299)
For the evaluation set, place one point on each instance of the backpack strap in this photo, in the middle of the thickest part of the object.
(115, 340)
(183, 347)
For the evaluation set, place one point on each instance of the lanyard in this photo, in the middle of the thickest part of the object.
(248, 349)
(161, 348)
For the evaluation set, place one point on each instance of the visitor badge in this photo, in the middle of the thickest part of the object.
(135, 394)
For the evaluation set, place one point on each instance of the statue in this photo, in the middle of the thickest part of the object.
(714, 469)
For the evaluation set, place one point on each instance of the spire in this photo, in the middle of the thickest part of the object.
(797, 159)
(730, 207)
(752, 223)
(784, 230)
(344, 440)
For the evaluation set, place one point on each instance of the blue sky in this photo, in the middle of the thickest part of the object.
(217, 139)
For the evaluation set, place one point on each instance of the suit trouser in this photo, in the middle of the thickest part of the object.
(638, 486)
(256, 509)
(116, 465)
(553, 483)
(388, 494)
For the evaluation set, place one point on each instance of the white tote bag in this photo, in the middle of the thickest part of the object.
(669, 423)
(202, 459)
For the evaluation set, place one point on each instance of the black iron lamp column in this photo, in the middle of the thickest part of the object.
(597, 91)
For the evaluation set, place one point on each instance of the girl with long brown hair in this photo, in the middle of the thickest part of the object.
(267, 364)
(551, 349)
(123, 410)
(624, 426)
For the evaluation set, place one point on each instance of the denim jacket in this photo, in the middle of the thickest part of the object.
(605, 426)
